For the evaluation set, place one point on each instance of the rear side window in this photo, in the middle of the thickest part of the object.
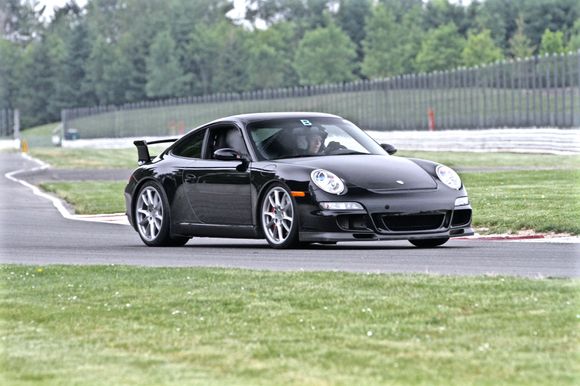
(191, 147)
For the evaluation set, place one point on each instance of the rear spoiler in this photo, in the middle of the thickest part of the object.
(143, 150)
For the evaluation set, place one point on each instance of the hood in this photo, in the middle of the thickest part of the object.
(373, 172)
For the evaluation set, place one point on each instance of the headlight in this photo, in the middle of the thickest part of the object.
(448, 177)
(327, 181)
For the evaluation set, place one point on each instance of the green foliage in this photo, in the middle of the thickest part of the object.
(9, 65)
(520, 44)
(325, 55)
(574, 43)
(99, 54)
(37, 85)
(552, 43)
(480, 49)
(441, 49)
(391, 46)
(107, 71)
(351, 17)
(165, 77)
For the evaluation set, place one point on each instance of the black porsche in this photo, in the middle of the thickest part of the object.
(291, 178)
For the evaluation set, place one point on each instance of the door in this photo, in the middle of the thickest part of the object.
(219, 191)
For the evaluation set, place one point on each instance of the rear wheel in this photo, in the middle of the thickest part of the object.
(152, 217)
(279, 218)
(429, 243)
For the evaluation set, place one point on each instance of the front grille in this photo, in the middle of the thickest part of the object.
(461, 217)
(413, 222)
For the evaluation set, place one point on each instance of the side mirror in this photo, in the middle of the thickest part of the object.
(389, 148)
(227, 154)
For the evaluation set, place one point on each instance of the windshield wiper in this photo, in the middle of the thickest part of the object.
(350, 152)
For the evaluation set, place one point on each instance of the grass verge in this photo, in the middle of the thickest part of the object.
(90, 197)
(127, 325)
(506, 201)
(66, 158)
(491, 160)
(545, 201)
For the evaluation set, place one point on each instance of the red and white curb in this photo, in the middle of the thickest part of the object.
(121, 218)
(535, 238)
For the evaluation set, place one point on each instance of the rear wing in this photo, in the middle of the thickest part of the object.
(143, 149)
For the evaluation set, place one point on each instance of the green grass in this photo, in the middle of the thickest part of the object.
(67, 158)
(122, 325)
(492, 160)
(540, 200)
(545, 201)
(90, 197)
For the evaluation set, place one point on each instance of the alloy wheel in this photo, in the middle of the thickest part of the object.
(149, 212)
(277, 215)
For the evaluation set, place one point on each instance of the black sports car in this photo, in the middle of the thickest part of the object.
(292, 178)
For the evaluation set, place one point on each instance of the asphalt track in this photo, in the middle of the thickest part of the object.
(33, 232)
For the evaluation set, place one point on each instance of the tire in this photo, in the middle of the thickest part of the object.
(429, 243)
(279, 217)
(152, 217)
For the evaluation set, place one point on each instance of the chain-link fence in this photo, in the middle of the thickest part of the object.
(6, 123)
(542, 91)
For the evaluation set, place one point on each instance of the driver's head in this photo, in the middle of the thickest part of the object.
(315, 138)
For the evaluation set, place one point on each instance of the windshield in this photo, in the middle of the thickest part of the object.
(309, 137)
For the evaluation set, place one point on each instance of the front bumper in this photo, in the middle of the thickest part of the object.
(401, 215)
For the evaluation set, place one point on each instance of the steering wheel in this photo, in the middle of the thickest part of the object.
(333, 146)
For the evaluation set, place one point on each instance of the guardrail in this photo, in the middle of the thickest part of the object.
(542, 91)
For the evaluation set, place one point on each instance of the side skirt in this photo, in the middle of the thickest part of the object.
(217, 230)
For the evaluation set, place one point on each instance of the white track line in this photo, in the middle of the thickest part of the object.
(117, 218)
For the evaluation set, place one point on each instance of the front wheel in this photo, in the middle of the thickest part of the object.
(152, 218)
(429, 243)
(279, 218)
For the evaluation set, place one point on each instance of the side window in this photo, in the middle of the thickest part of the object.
(191, 147)
(226, 137)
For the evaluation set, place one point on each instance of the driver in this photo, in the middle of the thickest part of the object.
(315, 138)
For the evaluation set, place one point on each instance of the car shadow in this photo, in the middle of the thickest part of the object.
(340, 247)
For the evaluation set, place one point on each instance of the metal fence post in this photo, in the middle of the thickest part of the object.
(16, 133)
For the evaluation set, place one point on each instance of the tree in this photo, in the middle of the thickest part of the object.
(381, 57)
(270, 54)
(441, 50)
(480, 49)
(351, 17)
(106, 73)
(554, 15)
(520, 45)
(165, 77)
(574, 43)
(325, 55)
(10, 70)
(552, 43)
(20, 20)
(72, 62)
(391, 47)
(37, 85)
(441, 12)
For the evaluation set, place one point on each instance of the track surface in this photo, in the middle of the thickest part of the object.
(33, 232)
